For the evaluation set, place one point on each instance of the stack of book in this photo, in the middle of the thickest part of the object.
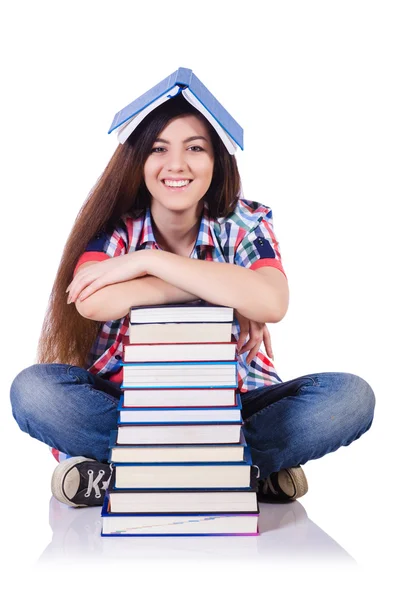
(180, 463)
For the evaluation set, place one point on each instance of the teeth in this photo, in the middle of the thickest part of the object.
(181, 183)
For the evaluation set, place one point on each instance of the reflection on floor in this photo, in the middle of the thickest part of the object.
(286, 533)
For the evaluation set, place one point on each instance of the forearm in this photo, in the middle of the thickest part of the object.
(254, 295)
(114, 301)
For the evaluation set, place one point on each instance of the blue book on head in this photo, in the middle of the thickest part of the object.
(182, 81)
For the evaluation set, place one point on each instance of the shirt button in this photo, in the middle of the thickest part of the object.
(118, 357)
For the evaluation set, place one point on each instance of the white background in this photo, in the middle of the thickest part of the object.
(313, 83)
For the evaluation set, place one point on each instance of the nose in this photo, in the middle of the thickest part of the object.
(176, 160)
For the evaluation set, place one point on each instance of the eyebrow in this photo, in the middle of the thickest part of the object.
(189, 139)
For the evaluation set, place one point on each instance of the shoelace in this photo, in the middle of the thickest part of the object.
(93, 483)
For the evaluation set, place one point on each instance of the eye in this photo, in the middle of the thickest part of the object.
(157, 150)
(196, 148)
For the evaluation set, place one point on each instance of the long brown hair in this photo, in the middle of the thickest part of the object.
(67, 337)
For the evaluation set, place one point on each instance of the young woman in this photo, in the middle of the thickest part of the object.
(166, 224)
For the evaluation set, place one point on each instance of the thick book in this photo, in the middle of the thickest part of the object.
(215, 433)
(163, 476)
(177, 524)
(190, 312)
(186, 82)
(182, 501)
(177, 374)
(225, 414)
(178, 352)
(158, 333)
(178, 453)
(161, 397)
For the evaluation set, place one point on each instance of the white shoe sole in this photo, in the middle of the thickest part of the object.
(58, 477)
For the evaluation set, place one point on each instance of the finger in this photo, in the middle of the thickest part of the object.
(83, 278)
(251, 343)
(267, 342)
(77, 287)
(241, 342)
(82, 281)
(244, 331)
(255, 332)
(80, 285)
(91, 289)
(253, 352)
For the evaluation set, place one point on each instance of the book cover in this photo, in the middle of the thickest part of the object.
(177, 374)
(240, 442)
(195, 92)
(178, 453)
(115, 524)
(180, 352)
(179, 313)
(183, 453)
(182, 397)
(172, 415)
(216, 433)
(173, 476)
(182, 501)
(156, 333)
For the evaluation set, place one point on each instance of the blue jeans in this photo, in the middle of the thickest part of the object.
(285, 424)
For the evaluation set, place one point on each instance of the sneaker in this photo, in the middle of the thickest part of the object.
(285, 486)
(81, 481)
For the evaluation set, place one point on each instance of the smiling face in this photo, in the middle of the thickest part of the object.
(178, 171)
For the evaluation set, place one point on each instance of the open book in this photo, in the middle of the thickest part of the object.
(181, 81)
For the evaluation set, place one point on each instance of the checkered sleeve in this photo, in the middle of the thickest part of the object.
(259, 247)
(106, 244)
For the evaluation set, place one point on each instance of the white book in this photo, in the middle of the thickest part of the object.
(176, 524)
(194, 381)
(177, 453)
(179, 434)
(190, 312)
(182, 501)
(174, 415)
(199, 373)
(180, 352)
(181, 476)
(160, 397)
(157, 333)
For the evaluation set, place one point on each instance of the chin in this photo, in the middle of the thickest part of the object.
(182, 202)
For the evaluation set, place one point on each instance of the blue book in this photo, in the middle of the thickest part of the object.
(177, 453)
(184, 415)
(183, 81)
(178, 524)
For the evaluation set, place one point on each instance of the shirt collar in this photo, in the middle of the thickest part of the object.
(204, 237)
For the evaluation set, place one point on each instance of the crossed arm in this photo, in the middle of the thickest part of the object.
(100, 289)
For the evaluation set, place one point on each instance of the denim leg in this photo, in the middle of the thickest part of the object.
(305, 418)
(67, 408)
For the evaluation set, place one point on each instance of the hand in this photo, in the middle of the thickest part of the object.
(114, 270)
(258, 332)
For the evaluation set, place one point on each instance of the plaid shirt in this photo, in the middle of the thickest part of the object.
(245, 238)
